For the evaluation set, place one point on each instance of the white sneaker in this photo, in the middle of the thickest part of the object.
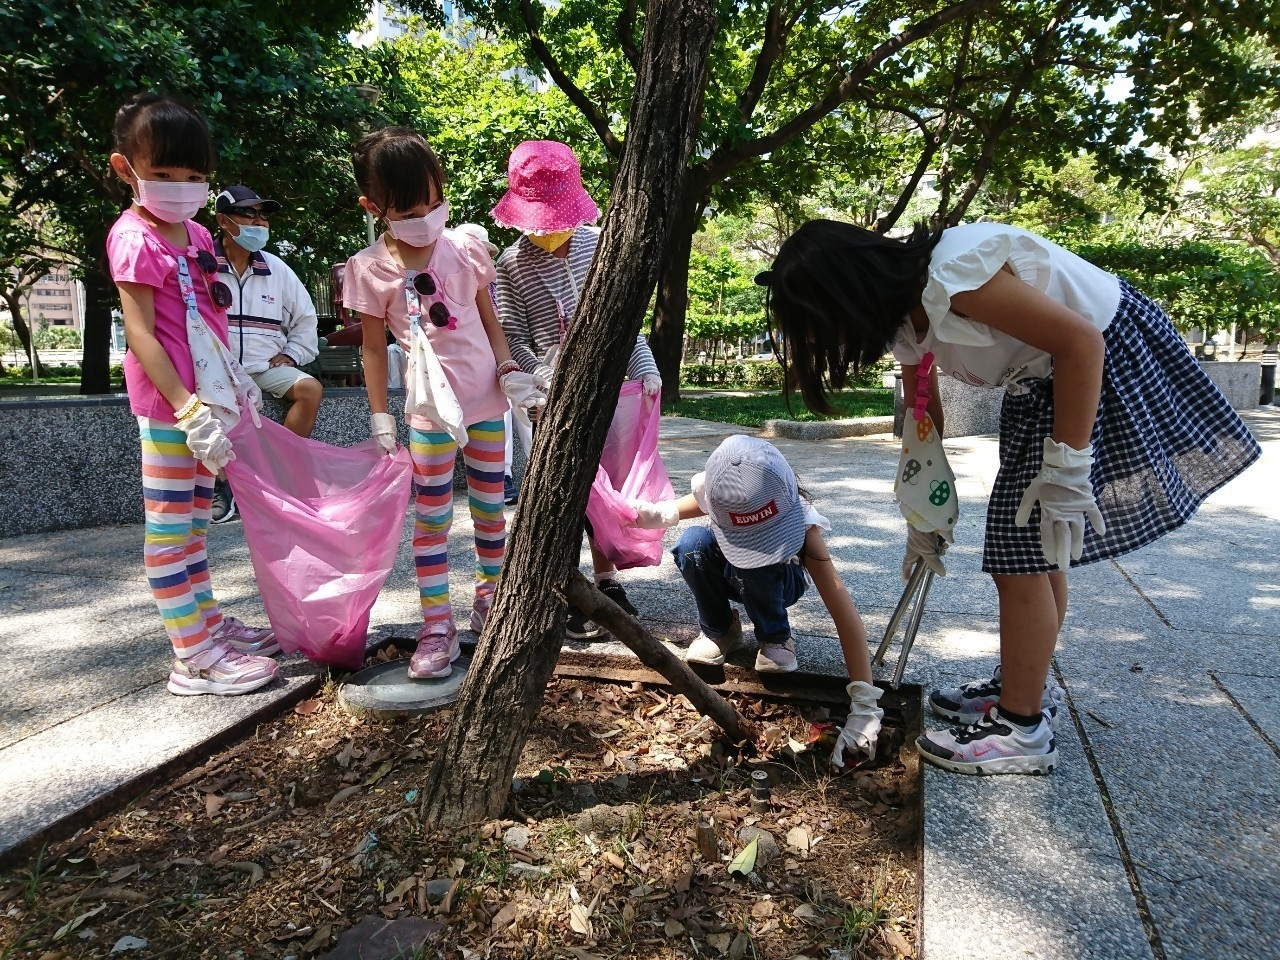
(713, 650)
(968, 704)
(777, 657)
(992, 745)
(222, 671)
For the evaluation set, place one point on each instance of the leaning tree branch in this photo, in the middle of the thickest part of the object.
(654, 654)
(599, 122)
(625, 27)
(725, 159)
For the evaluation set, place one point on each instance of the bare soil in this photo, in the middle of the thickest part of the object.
(628, 835)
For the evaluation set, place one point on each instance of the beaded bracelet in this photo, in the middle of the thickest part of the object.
(188, 408)
(509, 366)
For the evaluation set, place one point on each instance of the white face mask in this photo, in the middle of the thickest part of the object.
(172, 201)
(420, 231)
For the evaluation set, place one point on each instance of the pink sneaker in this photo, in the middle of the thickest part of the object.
(480, 611)
(437, 649)
(222, 671)
(255, 641)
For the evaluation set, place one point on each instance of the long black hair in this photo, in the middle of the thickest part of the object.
(837, 296)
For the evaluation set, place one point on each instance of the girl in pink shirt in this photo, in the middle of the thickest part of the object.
(420, 280)
(160, 260)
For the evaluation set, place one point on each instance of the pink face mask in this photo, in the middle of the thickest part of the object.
(172, 201)
(420, 231)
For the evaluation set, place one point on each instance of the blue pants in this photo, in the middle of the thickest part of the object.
(765, 592)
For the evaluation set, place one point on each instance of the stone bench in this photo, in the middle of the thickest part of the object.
(76, 462)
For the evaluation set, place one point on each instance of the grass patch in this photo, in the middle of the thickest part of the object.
(754, 411)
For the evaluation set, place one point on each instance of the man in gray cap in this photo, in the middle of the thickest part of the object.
(271, 322)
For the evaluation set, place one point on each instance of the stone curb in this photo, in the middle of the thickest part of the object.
(826, 429)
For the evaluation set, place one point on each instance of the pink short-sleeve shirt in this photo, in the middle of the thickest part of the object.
(375, 284)
(137, 254)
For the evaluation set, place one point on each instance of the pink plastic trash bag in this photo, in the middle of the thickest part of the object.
(323, 525)
(630, 469)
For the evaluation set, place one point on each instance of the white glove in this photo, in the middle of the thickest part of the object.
(382, 427)
(526, 391)
(655, 516)
(862, 729)
(253, 394)
(652, 384)
(1066, 499)
(544, 373)
(928, 547)
(205, 438)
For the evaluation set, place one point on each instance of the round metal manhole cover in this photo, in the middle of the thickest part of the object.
(385, 689)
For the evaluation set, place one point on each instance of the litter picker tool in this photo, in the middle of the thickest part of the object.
(926, 491)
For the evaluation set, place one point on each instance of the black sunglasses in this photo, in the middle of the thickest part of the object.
(249, 213)
(437, 313)
(218, 291)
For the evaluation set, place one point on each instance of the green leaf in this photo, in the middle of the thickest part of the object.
(745, 862)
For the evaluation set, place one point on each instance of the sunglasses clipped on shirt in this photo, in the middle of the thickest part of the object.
(438, 313)
(219, 292)
(249, 213)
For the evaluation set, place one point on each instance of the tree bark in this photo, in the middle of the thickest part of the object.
(666, 340)
(22, 329)
(470, 778)
(99, 294)
(653, 654)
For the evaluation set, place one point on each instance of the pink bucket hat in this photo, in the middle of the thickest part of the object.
(544, 190)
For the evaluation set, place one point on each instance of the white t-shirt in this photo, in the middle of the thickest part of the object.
(967, 257)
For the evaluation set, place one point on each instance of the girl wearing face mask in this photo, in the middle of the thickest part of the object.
(422, 281)
(158, 258)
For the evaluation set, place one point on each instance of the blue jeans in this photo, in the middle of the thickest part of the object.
(765, 592)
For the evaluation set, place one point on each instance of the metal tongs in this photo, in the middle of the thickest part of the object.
(915, 592)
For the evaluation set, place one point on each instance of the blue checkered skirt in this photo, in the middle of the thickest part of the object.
(1164, 439)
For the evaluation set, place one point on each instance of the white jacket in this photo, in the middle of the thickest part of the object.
(270, 313)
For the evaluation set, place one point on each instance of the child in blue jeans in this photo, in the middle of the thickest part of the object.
(761, 549)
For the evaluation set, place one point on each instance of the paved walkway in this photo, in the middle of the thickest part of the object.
(1156, 838)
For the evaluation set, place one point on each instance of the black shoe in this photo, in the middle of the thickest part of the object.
(578, 627)
(224, 503)
(613, 590)
(510, 492)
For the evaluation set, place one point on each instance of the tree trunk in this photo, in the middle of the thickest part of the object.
(99, 294)
(470, 779)
(22, 329)
(667, 339)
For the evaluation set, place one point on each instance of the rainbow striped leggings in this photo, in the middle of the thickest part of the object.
(177, 491)
(433, 455)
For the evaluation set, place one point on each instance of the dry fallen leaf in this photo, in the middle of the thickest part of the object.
(616, 860)
(720, 941)
(798, 837)
(741, 943)
(118, 875)
(762, 909)
(896, 940)
(580, 919)
(306, 707)
(504, 918)
(673, 927)
(212, 804)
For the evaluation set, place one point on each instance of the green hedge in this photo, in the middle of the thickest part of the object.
(756, 375)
